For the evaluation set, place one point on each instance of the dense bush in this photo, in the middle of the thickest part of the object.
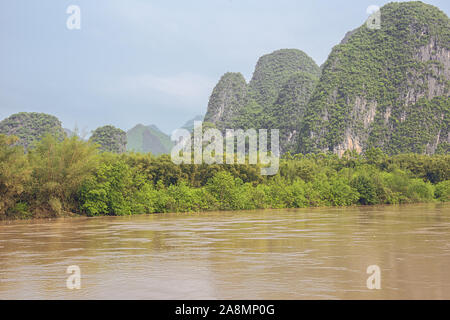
(14, 176)
(73, 177)
(58, 170)
(31, 127)
(110, 139)
(443, 191)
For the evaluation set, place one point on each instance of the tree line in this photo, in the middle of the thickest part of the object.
(72, 177)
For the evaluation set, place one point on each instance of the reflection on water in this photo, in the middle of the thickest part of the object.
(272, 254)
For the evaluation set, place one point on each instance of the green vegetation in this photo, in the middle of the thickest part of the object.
(275, 98)
(110, 139)
(274, 70)
(72, 177)
(45, 181)
(229, 96)
(30, 127)
(14, 176)
(148, 139)
(384, 93)
(385, 88)
(288, 110)
(425, 121)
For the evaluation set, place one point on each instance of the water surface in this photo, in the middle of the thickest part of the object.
(319, 253)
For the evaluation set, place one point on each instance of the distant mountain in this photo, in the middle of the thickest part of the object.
(148, 139)
(30, 127)
(189, 125)
(110, 139)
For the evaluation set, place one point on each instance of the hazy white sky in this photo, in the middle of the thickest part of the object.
(151, 62)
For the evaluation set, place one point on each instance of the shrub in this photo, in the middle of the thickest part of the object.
(442, 191)
(342, 194)
(366, 189)
(225, 188)
(20, 210)
(109, 192)
(14, 174)
(418, 190)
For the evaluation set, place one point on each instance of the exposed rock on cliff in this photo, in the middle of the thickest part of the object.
(275, 98)
(385, 88)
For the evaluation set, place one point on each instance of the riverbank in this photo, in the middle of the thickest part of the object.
(71, 177)
(369, 208)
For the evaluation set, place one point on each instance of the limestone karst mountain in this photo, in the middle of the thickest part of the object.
(386, 88)
(285, 76)
(110, 139)
(30, 127)
(227, 100)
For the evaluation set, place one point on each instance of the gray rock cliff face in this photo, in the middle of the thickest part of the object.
(386, 88)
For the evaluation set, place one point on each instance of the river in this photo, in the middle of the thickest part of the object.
(314, 253)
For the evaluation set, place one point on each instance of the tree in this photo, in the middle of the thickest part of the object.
(110, 139)
(58, 171)
(14, 173)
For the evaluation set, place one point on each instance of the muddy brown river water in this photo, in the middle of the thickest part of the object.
(319, 253)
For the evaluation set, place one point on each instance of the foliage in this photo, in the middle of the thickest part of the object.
(30, 127)
(275, 98)
(227, 98)
(377, 86)
(58, 169)
(71, 176)
(108, 192)
(110, 139)
(14, 174)
(366, 189)
(443, 190)
(274, 70)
